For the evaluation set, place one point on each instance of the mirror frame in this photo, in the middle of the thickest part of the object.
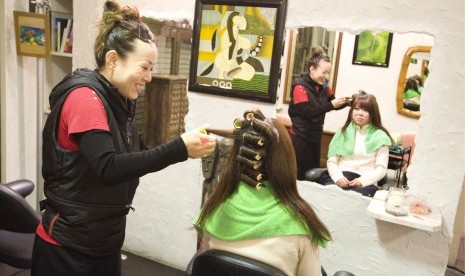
(403, 79)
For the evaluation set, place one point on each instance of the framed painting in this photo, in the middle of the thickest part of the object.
(372, 48)
(32, 31)
(237, 47)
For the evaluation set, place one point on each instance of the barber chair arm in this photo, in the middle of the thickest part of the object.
(23, 187)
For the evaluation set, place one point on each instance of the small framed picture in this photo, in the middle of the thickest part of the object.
(32, 32)
(373, 48)
(237, 47)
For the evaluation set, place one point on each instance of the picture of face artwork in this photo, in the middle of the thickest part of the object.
(235, 47)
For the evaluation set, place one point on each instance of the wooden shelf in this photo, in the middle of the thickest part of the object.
(430, 223)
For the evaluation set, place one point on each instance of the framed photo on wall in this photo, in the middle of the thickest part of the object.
(237, 47)
(32, 31)
(373, 48)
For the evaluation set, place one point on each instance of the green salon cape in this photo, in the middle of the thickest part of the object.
(343, 143)
(252, 214)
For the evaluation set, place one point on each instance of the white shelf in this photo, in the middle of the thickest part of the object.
(430, 223)
(55, 53)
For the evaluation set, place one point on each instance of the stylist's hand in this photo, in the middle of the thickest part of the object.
(338, 102)
(198, 144)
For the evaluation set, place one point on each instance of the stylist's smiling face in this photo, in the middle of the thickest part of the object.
(132, 72)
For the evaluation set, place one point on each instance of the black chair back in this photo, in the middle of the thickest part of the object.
(216, 262)
(18, 223)
(16, 215)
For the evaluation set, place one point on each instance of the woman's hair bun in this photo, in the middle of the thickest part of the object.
(317, 51)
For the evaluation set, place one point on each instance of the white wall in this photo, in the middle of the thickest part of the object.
(19, 96)
(167, 201)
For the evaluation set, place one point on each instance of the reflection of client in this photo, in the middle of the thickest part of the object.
(419, 81)
(412, 94)
(358, 153)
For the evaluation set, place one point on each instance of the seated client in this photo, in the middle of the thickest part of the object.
(255, 210)
(358, 154)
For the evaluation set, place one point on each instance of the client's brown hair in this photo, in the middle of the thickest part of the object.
(279, 167)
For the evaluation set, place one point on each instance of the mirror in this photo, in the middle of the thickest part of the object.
(413, 74)
(300, 42)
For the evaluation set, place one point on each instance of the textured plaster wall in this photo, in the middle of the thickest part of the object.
(167, 201)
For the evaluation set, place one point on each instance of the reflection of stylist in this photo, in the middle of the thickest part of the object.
(92, 154)
(311, 98)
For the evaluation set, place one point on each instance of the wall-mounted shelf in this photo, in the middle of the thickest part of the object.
(376, 209)
(54, 53)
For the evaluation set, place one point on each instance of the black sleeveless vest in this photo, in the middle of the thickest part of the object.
(309, 130)
(81, 212)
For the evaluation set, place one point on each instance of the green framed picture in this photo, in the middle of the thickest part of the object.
(372, 48)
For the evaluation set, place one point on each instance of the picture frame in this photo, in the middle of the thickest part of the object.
(32, 32)
(372, 48)
(237, 47)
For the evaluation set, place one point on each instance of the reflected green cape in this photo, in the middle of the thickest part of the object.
(252, 214)
(343, 143)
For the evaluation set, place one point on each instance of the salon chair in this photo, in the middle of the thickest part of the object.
(216, 262)
(18, 223)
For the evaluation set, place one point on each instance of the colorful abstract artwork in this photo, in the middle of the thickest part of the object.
(237, 50)
(32, 31)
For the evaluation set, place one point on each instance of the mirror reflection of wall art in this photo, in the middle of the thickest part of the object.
(237, 48)
(32, 34)
(373, 48)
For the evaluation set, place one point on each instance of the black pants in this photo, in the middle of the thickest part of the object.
(307, 155)
(50, 260)
(369, 190)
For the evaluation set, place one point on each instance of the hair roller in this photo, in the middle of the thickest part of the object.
(253, 139)
(254, 174)
(249, 114)
(255, 165)
(263, 127)
(251, 153)
(240, 123)
(253, 183)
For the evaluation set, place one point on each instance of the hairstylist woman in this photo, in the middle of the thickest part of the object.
(92, 154)
(311, 98)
